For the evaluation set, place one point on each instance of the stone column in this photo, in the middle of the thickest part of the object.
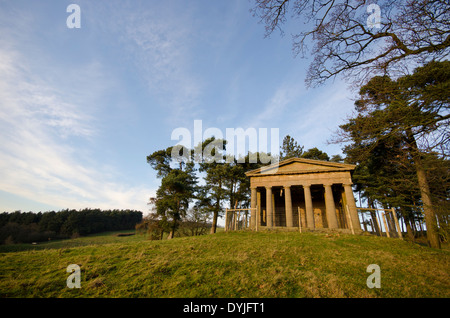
(269, 207)
(352, 207)
(309, 207)
(330, 207)
(253, 207)
(288, 206)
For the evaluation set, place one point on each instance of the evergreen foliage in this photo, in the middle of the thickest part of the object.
(399, 139)
(27, 227)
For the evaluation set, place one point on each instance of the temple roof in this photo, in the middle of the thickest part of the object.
(300, 166)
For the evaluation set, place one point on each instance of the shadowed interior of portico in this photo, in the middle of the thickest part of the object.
(299, 208)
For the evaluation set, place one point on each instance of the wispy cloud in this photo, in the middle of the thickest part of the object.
(26, 99)
(39, 124)
(320, 115)
(158, 41)
(277, 105)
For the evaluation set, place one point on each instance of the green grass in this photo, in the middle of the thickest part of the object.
(94, 239)
(239, 264)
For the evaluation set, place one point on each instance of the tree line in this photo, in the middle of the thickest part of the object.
(203, 185)
(193, 223)
(26, 227)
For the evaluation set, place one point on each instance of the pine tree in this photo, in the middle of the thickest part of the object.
(290, 148)
(403, 113)
(177, 189)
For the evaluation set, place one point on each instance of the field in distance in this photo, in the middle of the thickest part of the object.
(238, 264)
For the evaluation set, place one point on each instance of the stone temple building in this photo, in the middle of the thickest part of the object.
(315, 193)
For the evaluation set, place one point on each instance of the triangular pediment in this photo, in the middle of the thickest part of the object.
(300, 166)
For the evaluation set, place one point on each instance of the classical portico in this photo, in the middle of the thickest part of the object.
(305, 193)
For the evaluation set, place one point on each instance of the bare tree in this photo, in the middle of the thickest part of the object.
(346, 41)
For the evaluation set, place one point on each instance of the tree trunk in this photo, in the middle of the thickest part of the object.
(172, 231)
(216, 215)
(430, 216)
(374, 216)
(214, 223)
(409, 230)
(216, 210)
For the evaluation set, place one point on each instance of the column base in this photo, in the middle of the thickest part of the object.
(306, 230)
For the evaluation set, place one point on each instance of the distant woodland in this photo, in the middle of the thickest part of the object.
(27, 227)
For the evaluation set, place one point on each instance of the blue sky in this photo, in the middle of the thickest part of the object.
(80, 109)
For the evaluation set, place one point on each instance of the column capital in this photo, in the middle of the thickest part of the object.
(286, 186)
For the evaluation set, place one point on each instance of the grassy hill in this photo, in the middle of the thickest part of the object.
(239, 264)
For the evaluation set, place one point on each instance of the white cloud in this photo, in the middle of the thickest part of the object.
(318, 119)
(39, 122)
(276, 107)
(158, 41)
